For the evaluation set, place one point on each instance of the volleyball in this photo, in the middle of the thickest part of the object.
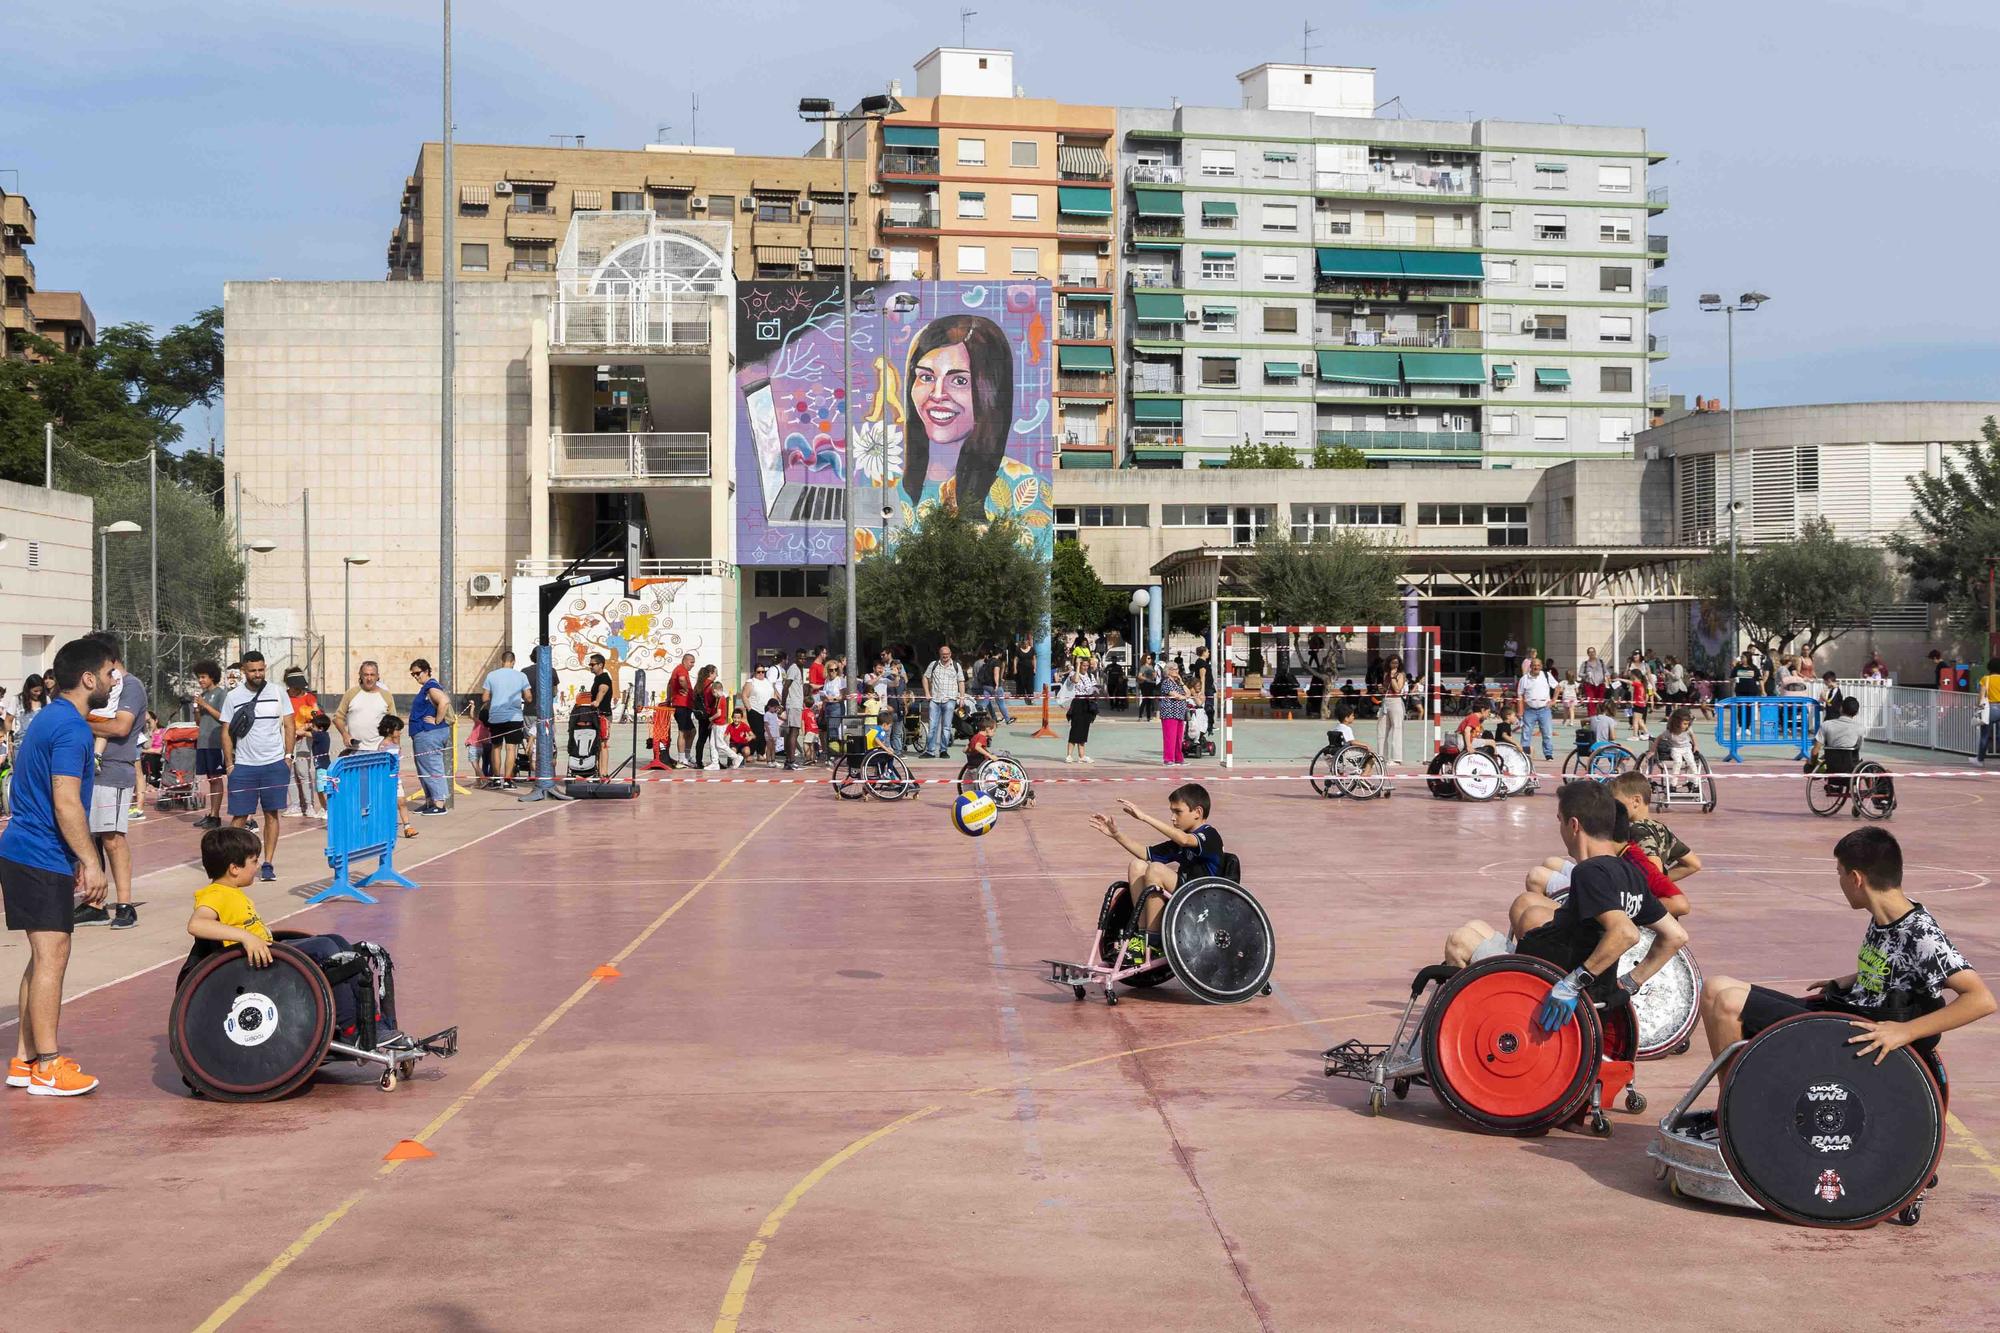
(974, 813)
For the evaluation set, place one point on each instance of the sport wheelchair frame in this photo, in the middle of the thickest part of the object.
(1866, 788)
(1214, 937)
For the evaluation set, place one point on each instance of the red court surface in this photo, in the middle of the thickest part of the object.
(833, 1090)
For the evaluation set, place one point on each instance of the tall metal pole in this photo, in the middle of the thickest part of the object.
(447, 516)
(853, 644)
(48, 455)
(103, 581)
(346, 621)
(1735, 614)
(153, 677)
(243, 588)
(306, 561)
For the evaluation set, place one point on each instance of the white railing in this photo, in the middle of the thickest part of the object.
(550, 566)
(623, 456)
(1159, 175)
(1924, 719)
(1434, 180)
(1396, 338)
(1332, 229)
(637, 320)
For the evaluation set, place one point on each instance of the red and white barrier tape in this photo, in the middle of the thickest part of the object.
(1205, 776)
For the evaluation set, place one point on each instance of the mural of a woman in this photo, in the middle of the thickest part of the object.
(959, 399)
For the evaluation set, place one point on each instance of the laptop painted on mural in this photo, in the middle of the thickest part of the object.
(787, 501)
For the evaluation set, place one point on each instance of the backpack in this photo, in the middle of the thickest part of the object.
(246, 716)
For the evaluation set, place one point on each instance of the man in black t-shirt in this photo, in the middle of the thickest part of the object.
(602, 691)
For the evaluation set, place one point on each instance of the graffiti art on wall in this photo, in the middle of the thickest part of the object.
(647, 628)
(951, 389)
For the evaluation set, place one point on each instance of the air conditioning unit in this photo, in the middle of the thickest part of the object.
(1191, 316)
(1364, 310)
(1526, 326)
(487, 585)
(877, 253)
(1104, 249)
(746, 204)
(503, 187)
(805, 255)
(805, 205)
(698, 204)
(875, 187)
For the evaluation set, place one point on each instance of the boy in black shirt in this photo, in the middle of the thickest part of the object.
(1897, 990)
(1193, 848)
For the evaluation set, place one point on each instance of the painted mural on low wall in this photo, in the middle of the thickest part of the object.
(951, 400)
(646, 628)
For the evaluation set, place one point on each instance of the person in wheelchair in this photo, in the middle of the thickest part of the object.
(1903, 975)
(1648, 846)
(979, 749)
(1342, 731)
(1193, 848)
(1676, 750)
(1837, 747)
(225, 917)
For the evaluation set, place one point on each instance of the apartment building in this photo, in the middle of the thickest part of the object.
(514, 206)
(64, 318)
(1300, 272)
(974, 180)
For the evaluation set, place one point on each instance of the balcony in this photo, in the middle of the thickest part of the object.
(1656, 245)
(909, 164)
(538, 226)
(910, 219)
(1082, 224)
(14, 317)
(1658, 395)
(1467, 338)
(1086, 384)
(551, 566)
(642, 320)
(1141, 278)
(1656, 296)
(1378, 289)
(1330, 230)
(1156, 437)
(1656, 344)
(1164, 174)
(16, 213)
(16, 264)
(1403, 441)
(1157, 227)
(1656, 198)
(540, 209)
(1085, 278)
(644, 456)
(1082, 329)
(1418, 182)
(530, 266)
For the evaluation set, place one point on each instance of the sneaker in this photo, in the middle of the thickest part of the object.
(208, 822)
(18, 1073)
(61, 1079)
(250, 824)
(138, 813)
(87, 915)
(1069, 759)
(1087, 759)
(268, 873)
(430, 810)
(124, 916)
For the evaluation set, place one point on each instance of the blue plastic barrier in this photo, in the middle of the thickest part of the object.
(363, 818)
(1766, 721)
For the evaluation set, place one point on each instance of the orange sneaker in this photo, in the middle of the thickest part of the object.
(18, 1072)
(61, 1079)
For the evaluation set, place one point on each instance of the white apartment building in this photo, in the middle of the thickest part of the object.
(46, 591)
(1300, 272)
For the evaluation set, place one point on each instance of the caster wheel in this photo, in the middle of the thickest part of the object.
(193, 1091)
(1635, 1101)
(388, 1083)
(1376, 1101)
(1681, 1049)
(1078, 990)
(1600, 1125)
(1109, 997)
(1659, 1170)
(1401, 1087)
(1265, 991)
(1911, 1215)
(1673, 1185)
(407, 1070)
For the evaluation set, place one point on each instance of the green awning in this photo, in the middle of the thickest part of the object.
(1155, 453)
(1552, 166)
(1171, 246)
(1158, 203)
(1218, 254)
(1442, 264)
(1218, 310)
(1074, 297)
(1091, 358)
(1281, 370)
(1354, 263)
(1503, 373)
(1358, 368)
(909, 136)
(1083, 458)
(1443, 368)
(1157, 411)
(1159, 308)
(1083, 201)
(1280, 155)
(1554, 377)
(1217, 208)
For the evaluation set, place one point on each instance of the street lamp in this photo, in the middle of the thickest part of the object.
(1141, 599)
(820, 109)
(261, 546)
(123, 525)
(1712, 303)
(347, 564)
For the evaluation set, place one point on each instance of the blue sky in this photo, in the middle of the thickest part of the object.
(1836, 155)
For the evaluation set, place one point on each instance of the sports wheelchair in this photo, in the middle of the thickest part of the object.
(1842, 777)
(1596, 761)
(1680, 791)
(247, 1034)
(1347, 768)
(865, 766)
(1808, 1133)
(1214, 938)
(1002, 778)
(1475, 1044)
(1666, 1009)
(1494, 768)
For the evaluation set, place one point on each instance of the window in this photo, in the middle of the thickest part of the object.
(1614, 379)
(1450, 516)
(1281, 163)
(1281, 217)
(971, 259)
(1218, 423)
(1281, 268)
(1247, 523)
(1219, 267)
(1026, 153)
(721, 205)
(1614, 229)
(1219, 214)
(1548, 380)
(1283, 425)
(1500, 169)
(773, 208)
(1194, 516)
(1024, 259)
(1315, 520)
(1101, 516)
(1551, 175)
(1218, 319)
(1614, 328)
(1551, 227)
(1551, 328)
(1501, 423)
(1615, 180)
(627, 201)
(1502, 321)
(1218, 372)
(472, 257)
(1614, 279)
(1502, 219)
(1281, 319)
(828, 203)
(529, 259)
(671, 204)
(1218, 162)
(1281, 372)
(1025, 207)
(1552, 428)
(1614, 430)
(971, 203)
(1551, 277)
(1506, 525)
(1500, 270)
(972, 152)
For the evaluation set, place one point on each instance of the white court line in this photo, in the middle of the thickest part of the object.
(271, 921)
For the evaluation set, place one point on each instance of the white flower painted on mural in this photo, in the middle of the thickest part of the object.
(880, 456)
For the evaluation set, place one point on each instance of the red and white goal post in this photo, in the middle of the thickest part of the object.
(1430, 649)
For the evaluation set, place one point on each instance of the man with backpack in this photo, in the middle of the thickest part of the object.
(944, 683)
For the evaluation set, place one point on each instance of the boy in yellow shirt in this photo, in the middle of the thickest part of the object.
(224, 914)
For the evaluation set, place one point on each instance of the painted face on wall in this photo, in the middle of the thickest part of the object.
(942, 392)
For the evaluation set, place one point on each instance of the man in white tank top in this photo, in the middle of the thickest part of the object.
(362, 708)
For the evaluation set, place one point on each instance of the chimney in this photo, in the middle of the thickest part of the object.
(895, 87)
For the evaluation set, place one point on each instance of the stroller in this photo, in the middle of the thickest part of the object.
(1200, 741)
(175, 786)
(584, 738)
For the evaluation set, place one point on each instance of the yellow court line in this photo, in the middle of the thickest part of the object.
(1973, 1145)
(292, 1252)
(738, 1294)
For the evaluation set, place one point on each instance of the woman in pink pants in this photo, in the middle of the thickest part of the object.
(1173, 715)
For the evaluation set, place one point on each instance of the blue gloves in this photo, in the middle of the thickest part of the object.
(1560, 1007)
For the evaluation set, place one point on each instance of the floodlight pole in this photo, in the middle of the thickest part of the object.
(447, 500)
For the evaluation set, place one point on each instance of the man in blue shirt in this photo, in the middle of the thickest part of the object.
(505, 693)
(46, 857)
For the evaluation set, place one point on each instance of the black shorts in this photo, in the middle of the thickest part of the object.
(1567, 946)
(1764, 1007)
(503, 733)
(684, 718)
(37, 899)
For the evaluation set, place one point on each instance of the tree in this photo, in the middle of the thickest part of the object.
(1267, 456)
(1797, 596)
(1957, 516)
(1342, 578)
(950, 580)
(1078, 599)
(1338, 456)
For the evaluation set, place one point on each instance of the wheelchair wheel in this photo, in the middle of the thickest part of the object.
(244, 1034)
(1822, 1139)
(1477, 775)
(1706, 779)
(1517, 771)
(1668, 1006)
(1874, 791)
(1218, 940)
(884, 776)
(1003, 779)
(1320, 773)
(847, 780)
(1438, 772)
(1488, 1061)
(1357, 773)
(1576, 766)
(1114, 923)
(1822, 796)
(1607, 761)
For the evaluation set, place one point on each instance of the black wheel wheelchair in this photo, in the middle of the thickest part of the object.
(1347, 768)
(1805, 1131)
(1837, 778)
(1492, 769)
(1213, 937)
(1596, 761)
(1003, 778)
(864, 768)
(1680, 791)
(253, 1034)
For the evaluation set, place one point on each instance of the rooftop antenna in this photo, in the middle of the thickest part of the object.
(1559, 118)
(1306, 44)
(1402, 112)
(660, 135)
(965, 17)
(694, 116)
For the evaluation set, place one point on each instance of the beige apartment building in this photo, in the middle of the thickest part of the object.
(514, 206)
(45, 576)
(64, 318)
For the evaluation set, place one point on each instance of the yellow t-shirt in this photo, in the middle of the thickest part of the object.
(234, 908)
(1989, 689)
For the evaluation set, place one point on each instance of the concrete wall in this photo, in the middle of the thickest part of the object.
(46, 596)
(333, 386)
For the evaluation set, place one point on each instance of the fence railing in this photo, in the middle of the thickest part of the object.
(1392, 182)
(909, 164)
(598, 456)
(1408, 233)
(640, 319)
(1154, 175)
(1392, 338)
(1923, 719)
(549, 567)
